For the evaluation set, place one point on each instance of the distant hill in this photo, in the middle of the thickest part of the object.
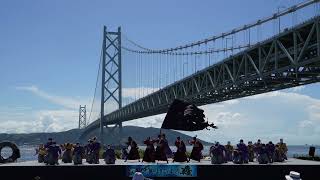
(137, 133)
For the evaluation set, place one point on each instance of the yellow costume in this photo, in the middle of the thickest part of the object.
(283, 147)
(42, 151)
(283, 150)
(229, 148)
(69, 146)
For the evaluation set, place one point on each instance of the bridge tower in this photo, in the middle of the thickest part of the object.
(82, 117)
(111, 88)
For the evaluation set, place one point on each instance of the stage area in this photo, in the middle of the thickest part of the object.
(203, 170)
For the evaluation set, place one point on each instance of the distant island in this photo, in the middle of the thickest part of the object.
(137, 133)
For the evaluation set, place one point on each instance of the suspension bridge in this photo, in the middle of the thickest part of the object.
(277, 52)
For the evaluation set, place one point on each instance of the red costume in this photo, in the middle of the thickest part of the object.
(149, 153)
(196, 150)
(160, 154)
(180, 155)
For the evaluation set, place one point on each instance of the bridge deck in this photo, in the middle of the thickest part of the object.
(281, 62)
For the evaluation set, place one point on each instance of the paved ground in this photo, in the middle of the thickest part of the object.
(290, 161)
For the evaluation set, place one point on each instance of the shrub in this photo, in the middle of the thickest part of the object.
(141, 153)
(306, 157)
(118, 154)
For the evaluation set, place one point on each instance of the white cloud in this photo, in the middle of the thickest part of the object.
(41, 121)
(137, 92)
(23, 119)
(298, 88)
(66, 102)
(270, 116)
(231, 102)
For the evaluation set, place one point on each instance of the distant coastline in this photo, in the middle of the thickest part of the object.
(138, 133)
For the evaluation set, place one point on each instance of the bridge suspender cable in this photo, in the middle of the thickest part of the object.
(95, 89)
(244, 28)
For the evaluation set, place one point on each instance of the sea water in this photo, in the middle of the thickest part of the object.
(28, 152)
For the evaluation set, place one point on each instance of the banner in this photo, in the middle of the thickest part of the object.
(162, 170)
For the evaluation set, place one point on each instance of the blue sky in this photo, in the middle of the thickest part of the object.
(49, 54)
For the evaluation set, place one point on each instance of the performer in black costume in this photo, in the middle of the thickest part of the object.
(133, 153)
(196, 150)
(149, 153)
(180, 155)
(160, 150)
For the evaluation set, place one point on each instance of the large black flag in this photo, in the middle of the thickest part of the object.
(185, 116)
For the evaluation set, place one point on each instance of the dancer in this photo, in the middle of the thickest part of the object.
(166, 147)
(180, 155)
(229, 151)
(196, 150)
(160, 154)
(217, 153)
(77, 154)
(109, 155)
(149, 153)
(242, 147)
(133, 153)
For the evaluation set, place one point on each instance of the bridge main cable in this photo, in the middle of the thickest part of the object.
(229, 79)
(236, 30)
(257, 68)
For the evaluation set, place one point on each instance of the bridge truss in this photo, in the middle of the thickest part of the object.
(289, 59)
